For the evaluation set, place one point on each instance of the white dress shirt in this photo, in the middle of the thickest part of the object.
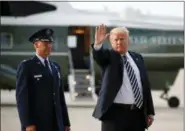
(42, 61)
(125, 94)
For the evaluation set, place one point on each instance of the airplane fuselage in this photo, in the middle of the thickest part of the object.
(162, 51)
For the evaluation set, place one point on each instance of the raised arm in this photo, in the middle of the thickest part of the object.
(100, 55)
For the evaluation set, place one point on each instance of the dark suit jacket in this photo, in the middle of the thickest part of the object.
(112, 67)
(40, 95)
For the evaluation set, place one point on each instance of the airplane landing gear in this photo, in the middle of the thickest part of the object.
(173, 102)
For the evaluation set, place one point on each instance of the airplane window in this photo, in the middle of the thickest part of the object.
(24, 8)
(6, 40)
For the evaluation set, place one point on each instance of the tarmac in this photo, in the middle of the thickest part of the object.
(80, 112)
(166, 119)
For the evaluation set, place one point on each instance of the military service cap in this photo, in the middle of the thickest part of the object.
(42, 35)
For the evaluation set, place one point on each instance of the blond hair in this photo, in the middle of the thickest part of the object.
(120, 30)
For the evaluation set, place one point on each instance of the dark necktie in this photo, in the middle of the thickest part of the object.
(47, 66)
(134, 83)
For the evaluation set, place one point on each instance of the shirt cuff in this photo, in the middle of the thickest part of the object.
(98, 47)
(152, 116)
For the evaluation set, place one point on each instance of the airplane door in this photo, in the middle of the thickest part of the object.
(78, 53)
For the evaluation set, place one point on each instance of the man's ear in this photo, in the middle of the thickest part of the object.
(35, 44)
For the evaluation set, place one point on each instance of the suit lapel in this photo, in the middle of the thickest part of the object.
(137, 60)
(56, 76)
(118, 58)
(117, 65)
(38, 62)
(52, 68)
(55, 72)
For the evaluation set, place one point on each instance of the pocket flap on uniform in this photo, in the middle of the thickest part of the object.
(37, 76)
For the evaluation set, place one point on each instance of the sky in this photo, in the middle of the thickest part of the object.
(158, 8)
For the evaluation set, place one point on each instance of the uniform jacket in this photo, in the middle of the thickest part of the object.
(40, 96)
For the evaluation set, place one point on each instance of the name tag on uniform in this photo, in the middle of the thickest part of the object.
(38, 76)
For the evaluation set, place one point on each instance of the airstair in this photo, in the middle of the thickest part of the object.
(81, 81)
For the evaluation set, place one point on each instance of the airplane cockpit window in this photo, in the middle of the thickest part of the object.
(24, 8)
(6, 40)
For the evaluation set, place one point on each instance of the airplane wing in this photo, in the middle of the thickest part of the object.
(24, 8)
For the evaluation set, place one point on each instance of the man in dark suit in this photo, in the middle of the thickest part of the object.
(39, 91)
(125, 102)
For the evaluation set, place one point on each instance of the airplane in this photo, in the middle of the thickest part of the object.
(160, 42)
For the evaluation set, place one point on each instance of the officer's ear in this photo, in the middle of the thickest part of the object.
(36, 45)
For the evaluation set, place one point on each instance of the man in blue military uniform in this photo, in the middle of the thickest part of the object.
(39, 92)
